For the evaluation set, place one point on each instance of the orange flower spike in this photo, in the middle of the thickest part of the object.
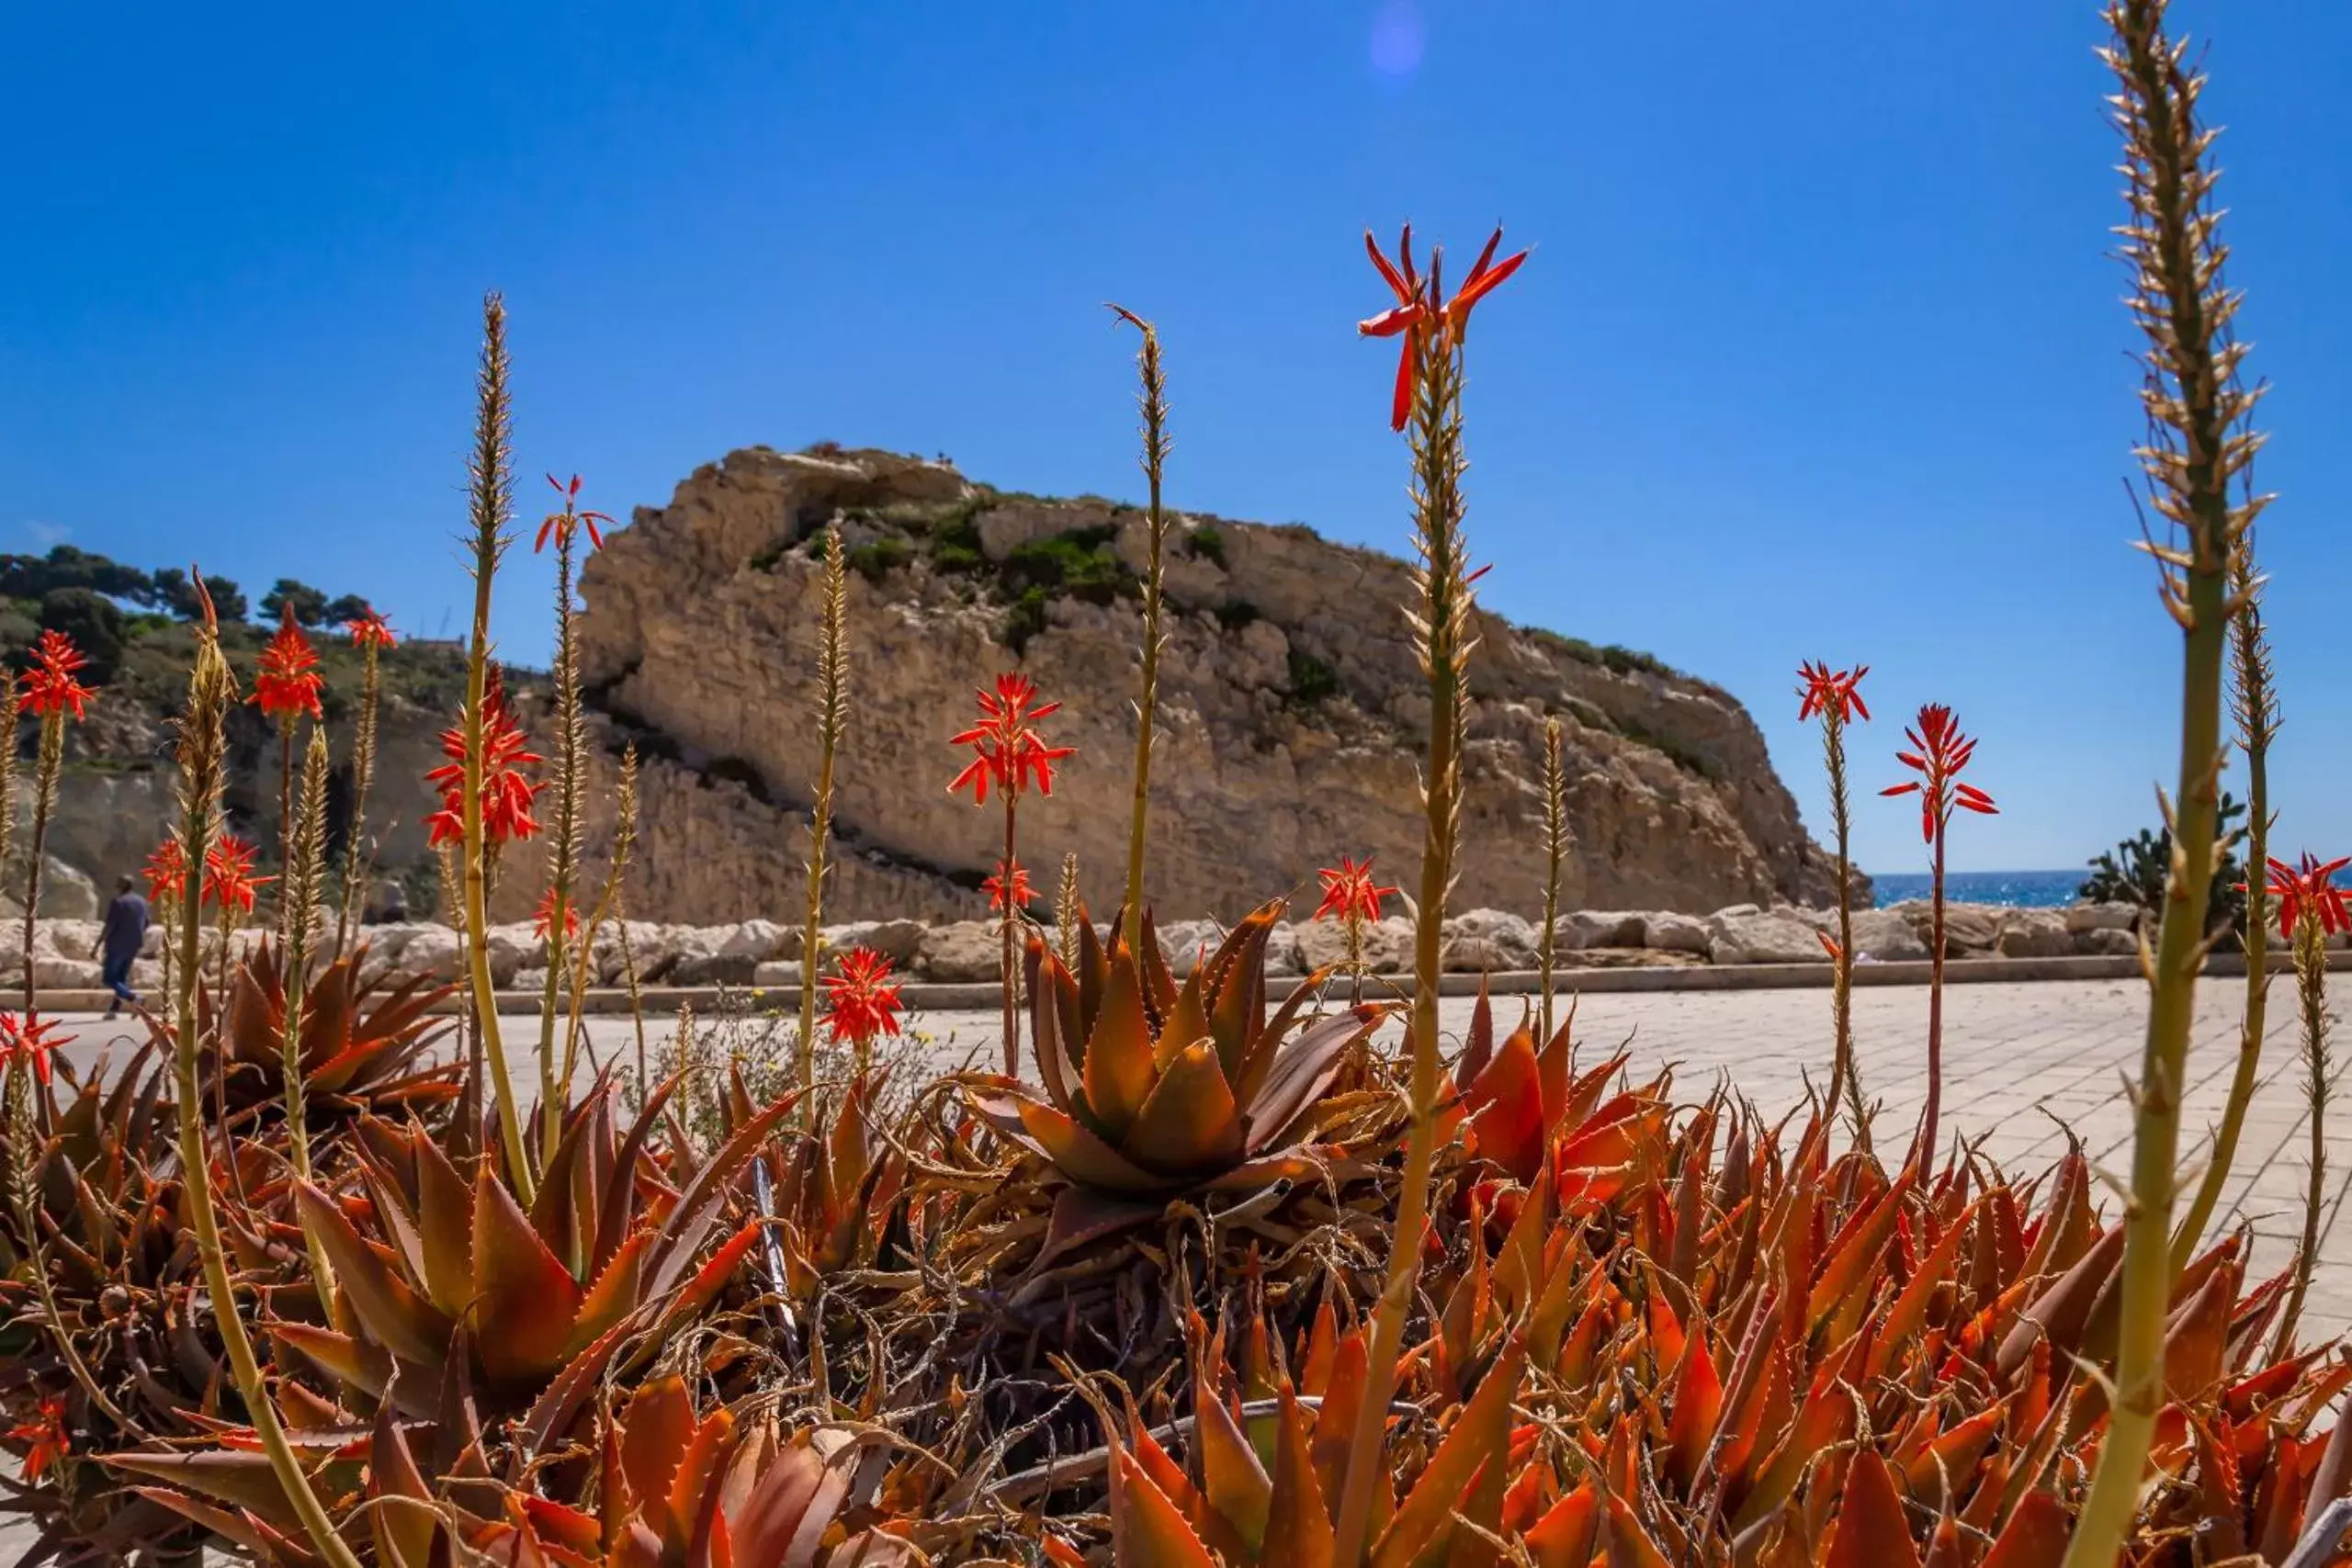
(861, 999)
(1008, 752)
(229, 879)
(288, 684)
(1022, 894)
(44, 1437)
(560, 525)
(2311, 885)
(543, 918)
(28, 1042)
(166, 871)
(51, 685)
(1416, 313)
(1349, 890)
(1940, 751)
(1833, 692)
(507, 793)
(369, 630)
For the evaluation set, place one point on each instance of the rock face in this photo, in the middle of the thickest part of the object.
(1291, 712)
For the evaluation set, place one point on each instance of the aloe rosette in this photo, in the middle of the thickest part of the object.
(1147, 1088)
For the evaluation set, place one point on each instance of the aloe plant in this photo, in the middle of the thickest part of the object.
(1149, 1090)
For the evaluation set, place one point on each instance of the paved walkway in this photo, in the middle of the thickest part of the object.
(2022, 1064)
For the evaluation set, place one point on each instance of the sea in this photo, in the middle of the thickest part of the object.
(2022, 890)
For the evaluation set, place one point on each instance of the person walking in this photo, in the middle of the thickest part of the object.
(120, 940)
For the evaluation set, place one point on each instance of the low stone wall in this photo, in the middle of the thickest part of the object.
(764, 953)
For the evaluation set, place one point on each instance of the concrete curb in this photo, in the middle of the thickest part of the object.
(929, 996)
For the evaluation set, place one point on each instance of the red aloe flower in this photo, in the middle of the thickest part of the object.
(559, 525)
(1349, 892)
(49, 685)
(507, 793)
(1417, 310)
(2309, 885)
(369, 630)
(543, 917)
(1007, 749)
(288, 684)
(1022, 894)
(1938, 753)
(27, 1042)
(44, 1438)
(1832, 691)
(861, 999)
(166, 871)
(229, 879)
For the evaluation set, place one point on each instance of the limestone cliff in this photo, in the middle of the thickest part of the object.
(1292, 713)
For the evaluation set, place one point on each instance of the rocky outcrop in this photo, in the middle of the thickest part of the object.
(1291, 710)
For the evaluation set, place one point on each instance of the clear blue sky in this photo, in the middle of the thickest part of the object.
(1820, 354)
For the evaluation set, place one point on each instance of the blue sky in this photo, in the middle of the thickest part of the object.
(1820, 354)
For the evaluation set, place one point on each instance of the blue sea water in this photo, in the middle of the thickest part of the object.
(2024, 889)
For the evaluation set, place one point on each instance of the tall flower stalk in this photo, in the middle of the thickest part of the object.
(2254, 702)
(371, 636)
(1833, 696)
(490, 494)
(1938, 753)
(832, 715)
(12, 698)
(203, 750)
(564, 527)
(2310, 909)
(1556, 851)
(1010, 755)
(1429, 399)
(2197, 442)
(54, 691)
(1151, 399)
(305, 880)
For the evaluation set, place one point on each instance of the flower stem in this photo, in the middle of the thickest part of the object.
(45, 773)
(1011, 970)
(1445, 641)
(355, 864)
(571, 765)
(2195, 444)
(202, 755)
(305, 864)
(1153, 400)
(2310, 989)
(2256, 703)
(1923, 1152)
(1555, 845)
(1845, 1077)
(833, 713)
(492, 497)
